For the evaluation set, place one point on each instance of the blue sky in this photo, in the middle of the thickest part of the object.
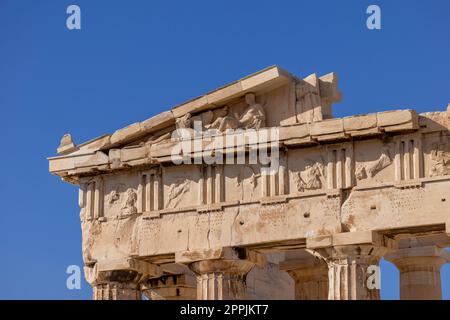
(134, 59)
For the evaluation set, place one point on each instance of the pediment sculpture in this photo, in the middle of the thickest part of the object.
(223, 119)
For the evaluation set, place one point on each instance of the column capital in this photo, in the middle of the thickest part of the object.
(119, 279)
(104, 270)
(171, 287)
(419, 257)
(363, 253)
(350, 272)
(221, 274)
(235, 266)
(420, 276)
(221, 279)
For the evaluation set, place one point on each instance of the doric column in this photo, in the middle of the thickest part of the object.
(119, 279)
(117, 285)
(220, 272)
(310, 275)
(221, 279)
(171, 287)
(420, 275)
(352, 271)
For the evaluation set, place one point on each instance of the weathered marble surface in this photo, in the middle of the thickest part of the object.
(367, 181)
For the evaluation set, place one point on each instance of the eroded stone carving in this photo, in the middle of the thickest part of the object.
(360, 172)
(184, 122)
(314, 97)
(222, 120)
(308, 98)
(129, 206)
(370, 170)
(254, 116)
(250, 212)
(66, 144)
(441, 160)
(66, 140)
(225, 121)
(218, 116)
(312, 178)
(114, 195)
(176, 190)
(244, 180)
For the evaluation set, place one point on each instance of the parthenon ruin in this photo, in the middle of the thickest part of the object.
(163, 218)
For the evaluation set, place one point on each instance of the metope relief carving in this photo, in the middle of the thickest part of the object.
(129, 206)
(122, 201)
(440, 158)
(176, 191)
(114, 196)
(312, 178)
(247, 181)
(369, 170)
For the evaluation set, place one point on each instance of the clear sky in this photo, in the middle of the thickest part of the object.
(134, 59)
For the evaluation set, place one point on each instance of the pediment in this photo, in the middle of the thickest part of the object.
(279, 99)
(299, 109)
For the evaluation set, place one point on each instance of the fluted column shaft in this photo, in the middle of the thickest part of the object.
(119, 279)
(116, 291)
(221, 279)
(350, 271)
(171, 287)
(117, 285)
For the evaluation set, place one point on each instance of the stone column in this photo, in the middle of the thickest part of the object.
(420, 275)
(352, 271)
(310, 276)
(117, 285)
(221, 279)
(119, 279)
(171, 287)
